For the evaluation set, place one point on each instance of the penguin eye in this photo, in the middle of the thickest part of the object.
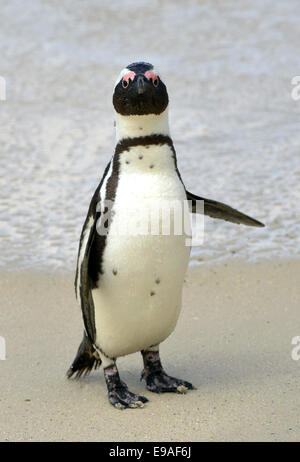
(155, 82)
(153, 77)
(126, 79)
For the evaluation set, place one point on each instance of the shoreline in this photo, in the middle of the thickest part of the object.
(233, 341)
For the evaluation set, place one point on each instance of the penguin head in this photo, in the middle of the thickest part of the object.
(140, 91)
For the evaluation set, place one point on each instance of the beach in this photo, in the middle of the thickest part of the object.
(233, 121)
(232, 341)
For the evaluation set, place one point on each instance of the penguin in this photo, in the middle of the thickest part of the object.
(129, 285)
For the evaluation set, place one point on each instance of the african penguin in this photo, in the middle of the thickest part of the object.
(129, 285)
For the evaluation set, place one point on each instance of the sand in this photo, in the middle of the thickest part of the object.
(233, 341)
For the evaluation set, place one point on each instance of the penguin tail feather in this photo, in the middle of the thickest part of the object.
(85, 361)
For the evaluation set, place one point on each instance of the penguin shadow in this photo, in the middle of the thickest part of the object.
(240, 369)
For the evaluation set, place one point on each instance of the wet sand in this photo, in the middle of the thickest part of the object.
(233, 341)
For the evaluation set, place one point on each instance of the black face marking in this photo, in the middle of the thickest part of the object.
(157, 281)
(127, 162)
(151, 165)
(115, 272)
(152, 293)
(141, 96)
(141, 156)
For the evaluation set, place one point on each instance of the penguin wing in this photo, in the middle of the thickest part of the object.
(85, 279)
(222, 211)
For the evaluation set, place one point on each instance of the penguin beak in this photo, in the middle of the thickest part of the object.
(140, 83)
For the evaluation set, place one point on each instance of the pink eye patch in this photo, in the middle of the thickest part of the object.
(128, 76)
(151, 75)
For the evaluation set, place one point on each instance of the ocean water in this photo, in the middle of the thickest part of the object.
(228, 67)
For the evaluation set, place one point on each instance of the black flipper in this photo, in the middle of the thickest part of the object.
(222, 211)
(85, 359)
(83, 280)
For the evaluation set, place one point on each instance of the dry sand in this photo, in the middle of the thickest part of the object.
(233, 341)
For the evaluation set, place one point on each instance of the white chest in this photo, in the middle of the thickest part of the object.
(138, 300)
(149, 171)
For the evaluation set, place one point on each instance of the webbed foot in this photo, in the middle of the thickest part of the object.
(157, 380)
(118, 394)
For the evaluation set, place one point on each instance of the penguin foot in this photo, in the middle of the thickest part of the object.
(118, 394)
(160, 382)
(157, 380)
(121, 398)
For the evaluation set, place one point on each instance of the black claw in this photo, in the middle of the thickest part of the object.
(143, 399)
(123, 398)
(188, 385)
